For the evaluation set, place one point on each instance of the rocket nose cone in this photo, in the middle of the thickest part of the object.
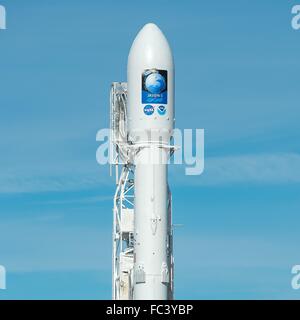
(150, 29)
(151, 45)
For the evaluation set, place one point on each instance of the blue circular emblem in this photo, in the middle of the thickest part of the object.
(148, 110)
(161, 110)
(155, 83)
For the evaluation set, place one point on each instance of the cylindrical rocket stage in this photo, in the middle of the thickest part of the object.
(150, 108)
(152, 226)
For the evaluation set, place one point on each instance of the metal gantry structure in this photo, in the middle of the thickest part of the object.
(123, 209)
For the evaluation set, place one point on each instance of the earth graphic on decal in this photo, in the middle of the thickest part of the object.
(155, 83)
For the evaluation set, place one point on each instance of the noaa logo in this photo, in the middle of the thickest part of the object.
(161, 110)
(148, 110)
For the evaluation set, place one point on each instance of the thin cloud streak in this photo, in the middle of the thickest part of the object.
(40, 246)
(254, 168)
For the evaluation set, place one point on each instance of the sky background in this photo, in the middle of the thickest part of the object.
(237, 76)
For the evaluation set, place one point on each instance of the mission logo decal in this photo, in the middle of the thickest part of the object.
(155, 86)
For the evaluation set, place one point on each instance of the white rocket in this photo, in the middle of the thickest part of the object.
(149, 119)
(150, 115)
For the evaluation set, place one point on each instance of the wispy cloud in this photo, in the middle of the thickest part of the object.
(40, 246)
(84, 200)
(246, 251)
(252, 168)
(49, 179)
(278, 168)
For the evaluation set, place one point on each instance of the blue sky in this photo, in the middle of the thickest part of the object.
(237, 76)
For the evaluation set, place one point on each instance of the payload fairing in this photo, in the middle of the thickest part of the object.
(142, 121)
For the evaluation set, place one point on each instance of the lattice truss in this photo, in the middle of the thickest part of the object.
(123, 210)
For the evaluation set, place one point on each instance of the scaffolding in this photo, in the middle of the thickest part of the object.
(123, 209)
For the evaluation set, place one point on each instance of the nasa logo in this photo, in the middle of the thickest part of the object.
(148, 110)
(161, 110)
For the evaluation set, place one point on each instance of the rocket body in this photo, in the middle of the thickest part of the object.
(150, 108)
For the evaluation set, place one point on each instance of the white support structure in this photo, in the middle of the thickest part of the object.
(123, 210)
(124, 275)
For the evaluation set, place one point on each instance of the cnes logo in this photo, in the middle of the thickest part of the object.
(296, 279)
(296, 18)
(2, 278)
(2, 18)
